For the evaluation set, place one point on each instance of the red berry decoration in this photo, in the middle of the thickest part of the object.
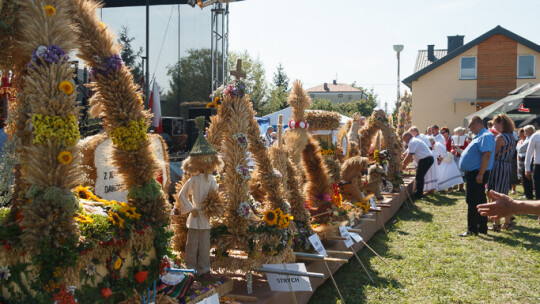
(141, 276)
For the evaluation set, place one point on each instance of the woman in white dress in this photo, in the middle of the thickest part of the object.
(431, 179)
(448, 173)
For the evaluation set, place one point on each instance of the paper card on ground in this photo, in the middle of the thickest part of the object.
(317, 244)
(214, 299)
(372, 202)
(345, 233)
(355, 236)
(280, 282)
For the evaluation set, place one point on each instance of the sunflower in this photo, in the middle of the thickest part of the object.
(129, 211)
(284, 222)
(49, 10)
(83, 192)
(83, 219)
(64, 157)
(66, 87)
(278, 212)
(270, 217)
(116, 219)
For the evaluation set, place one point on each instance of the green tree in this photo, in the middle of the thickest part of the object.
(255, 78)
(281, 80)
(131, 58)
(190, 78)
(364, 107)
(277, 100)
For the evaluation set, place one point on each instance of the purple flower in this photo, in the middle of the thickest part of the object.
(108, 65)
(51, 54)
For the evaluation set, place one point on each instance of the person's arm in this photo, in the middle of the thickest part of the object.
(185, 205)
(483, 166)
(407, 160)
(529, 155)
(499, 143)
(505, 205)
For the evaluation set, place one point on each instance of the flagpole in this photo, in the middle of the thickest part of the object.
(147, 84)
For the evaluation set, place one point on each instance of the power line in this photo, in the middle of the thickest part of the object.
(162, 43)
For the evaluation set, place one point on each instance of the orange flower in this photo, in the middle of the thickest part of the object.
(66, 87)
(64, 157)
(49, 10)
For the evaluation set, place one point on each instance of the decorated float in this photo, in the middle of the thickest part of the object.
(66, 237)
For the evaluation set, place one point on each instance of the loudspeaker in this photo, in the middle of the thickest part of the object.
(206, 112)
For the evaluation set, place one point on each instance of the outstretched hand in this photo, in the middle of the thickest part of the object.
(502, 206)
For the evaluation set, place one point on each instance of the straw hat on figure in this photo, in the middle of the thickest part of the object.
(202, 161)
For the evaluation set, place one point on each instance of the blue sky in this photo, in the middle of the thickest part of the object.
(316, 40)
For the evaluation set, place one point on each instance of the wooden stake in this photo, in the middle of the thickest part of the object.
(362, 264)
(290, 285)
(339, 252)
(380, 257)
(334, 281)
(382, 223)
(243, 298)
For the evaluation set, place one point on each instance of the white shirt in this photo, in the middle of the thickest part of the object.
(440, 139)
(533, 150)
(522, 148)
(424, 138)
(418, 149)
(198, 186)
(440, 150)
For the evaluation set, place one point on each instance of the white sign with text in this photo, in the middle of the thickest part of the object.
(282, 282)
(317, 244)
(108, 184)
(345, 233)
(214, 299)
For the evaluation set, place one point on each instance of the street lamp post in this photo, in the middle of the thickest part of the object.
(398, 48)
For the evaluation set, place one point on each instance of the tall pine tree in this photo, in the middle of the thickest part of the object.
(131, 58)
(281, 80)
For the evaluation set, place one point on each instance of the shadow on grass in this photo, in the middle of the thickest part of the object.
(442, 199)
(411, 212)
(527, 237)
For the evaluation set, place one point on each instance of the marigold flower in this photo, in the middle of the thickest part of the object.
(64, 157)
(49, 10)
(66, 87)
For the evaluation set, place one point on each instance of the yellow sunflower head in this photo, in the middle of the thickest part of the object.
(115, 219)
(49, 10)
(270, 217)
(118, 263)
(130, 211)
(66, 87)
(83, 192)
(284, 222)
(64, 157)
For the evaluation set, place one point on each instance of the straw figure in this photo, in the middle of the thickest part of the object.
(374, 181)
(202, 161)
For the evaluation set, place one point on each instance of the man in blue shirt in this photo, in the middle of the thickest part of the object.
(476, 161)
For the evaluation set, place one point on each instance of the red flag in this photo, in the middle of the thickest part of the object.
(155, 107)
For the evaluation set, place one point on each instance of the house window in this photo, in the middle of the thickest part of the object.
(349, 97)
(526, 66)
(468, 68)
(312, 95)
(339, 95)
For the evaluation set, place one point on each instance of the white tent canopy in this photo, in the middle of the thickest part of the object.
(287, 115)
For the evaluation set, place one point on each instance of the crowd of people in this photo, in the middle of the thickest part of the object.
(495, 158)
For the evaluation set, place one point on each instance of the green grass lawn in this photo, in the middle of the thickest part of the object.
(429, 263)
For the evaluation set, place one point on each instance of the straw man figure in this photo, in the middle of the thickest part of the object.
(202, 161)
